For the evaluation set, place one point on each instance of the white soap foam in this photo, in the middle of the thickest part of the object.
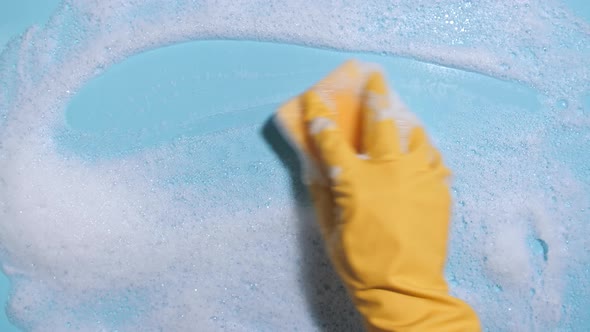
(118, 245)
(517, 210)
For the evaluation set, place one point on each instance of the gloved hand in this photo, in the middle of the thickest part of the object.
(385, 215)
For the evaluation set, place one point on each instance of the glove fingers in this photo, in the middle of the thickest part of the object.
(426, 154)
(420, 147)
(325, 209)
(380, 133)
(335, 153)
(437, 164)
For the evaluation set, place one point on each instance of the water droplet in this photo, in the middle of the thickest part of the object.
(544, 248)
(562, 104)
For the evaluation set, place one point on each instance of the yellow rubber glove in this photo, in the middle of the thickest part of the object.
(385, 214)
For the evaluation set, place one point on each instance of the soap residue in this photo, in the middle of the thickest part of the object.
(122, 244)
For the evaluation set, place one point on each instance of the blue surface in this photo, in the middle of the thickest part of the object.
(192, 100)
(5, 324)
(128, 85)
(17, 16)
(581, 7)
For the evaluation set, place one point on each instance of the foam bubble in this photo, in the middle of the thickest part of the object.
(174, 237)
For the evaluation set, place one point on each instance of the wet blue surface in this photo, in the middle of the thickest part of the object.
(193, 100)
(17, 16)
